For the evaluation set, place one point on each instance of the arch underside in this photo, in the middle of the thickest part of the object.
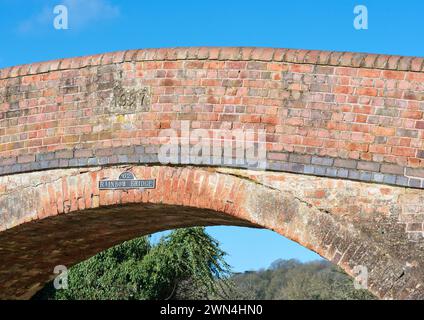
(69, 219)
(32, 250)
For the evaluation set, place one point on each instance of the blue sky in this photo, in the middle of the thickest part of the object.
(27, 33)
(95, 26)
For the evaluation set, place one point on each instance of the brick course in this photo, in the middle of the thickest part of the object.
(362, 110)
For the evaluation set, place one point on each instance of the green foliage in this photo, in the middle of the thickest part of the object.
(138, 270)
(292, 280)
(184, 254)
(188, 264)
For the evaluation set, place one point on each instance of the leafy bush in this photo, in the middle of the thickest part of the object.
(136, 269)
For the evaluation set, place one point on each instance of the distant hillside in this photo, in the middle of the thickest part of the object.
(291, 279)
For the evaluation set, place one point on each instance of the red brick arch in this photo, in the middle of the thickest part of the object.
(344, 137)
(72, 220)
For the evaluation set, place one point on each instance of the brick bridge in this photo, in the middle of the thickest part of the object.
(344, 148)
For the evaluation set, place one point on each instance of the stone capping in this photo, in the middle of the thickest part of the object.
(316, 57)
(346, 169)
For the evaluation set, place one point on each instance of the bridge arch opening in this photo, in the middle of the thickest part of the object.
(62, 218)
(343, 151)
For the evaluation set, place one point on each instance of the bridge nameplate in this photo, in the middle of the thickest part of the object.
(127, 181)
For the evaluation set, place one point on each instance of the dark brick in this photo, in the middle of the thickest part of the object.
(365, 176)
(402, 181)
(293, 167)
(150, 158)
(388, 112)
(45, 156)
(390, 179)
(414, 183)
(273, 165)
(420, 125)
(151, 149)
(308, 169)
(44, 164)
(124, 150)
(354, 174)
(69, 90)
(104, 152)
(324, 161)
(392, 169)
(380, 140)
(411, 227)
(344, 163)
(63, 163)
(35, 166)
(64, 154)
(54, 163)
(342, 173)
(415, 172)
(8, 161)
(83, 153)
(82, 161)
(368, 166)
(73, 162)
(407, 133)
(300, 158)
(279, 156)
(377, 177)
(26, 167)
(122, 158)
(331, 172)
(320, 171)
(16, 168)
(92, 162)
(26, 158)
(139, 149)
(103, 160)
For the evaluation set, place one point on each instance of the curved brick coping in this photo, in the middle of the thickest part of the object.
(366, 171)
(329, 58)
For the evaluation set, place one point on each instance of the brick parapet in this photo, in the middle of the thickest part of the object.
(343, 115)
(316, 57)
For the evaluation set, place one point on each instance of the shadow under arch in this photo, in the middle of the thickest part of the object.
(72, 220)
